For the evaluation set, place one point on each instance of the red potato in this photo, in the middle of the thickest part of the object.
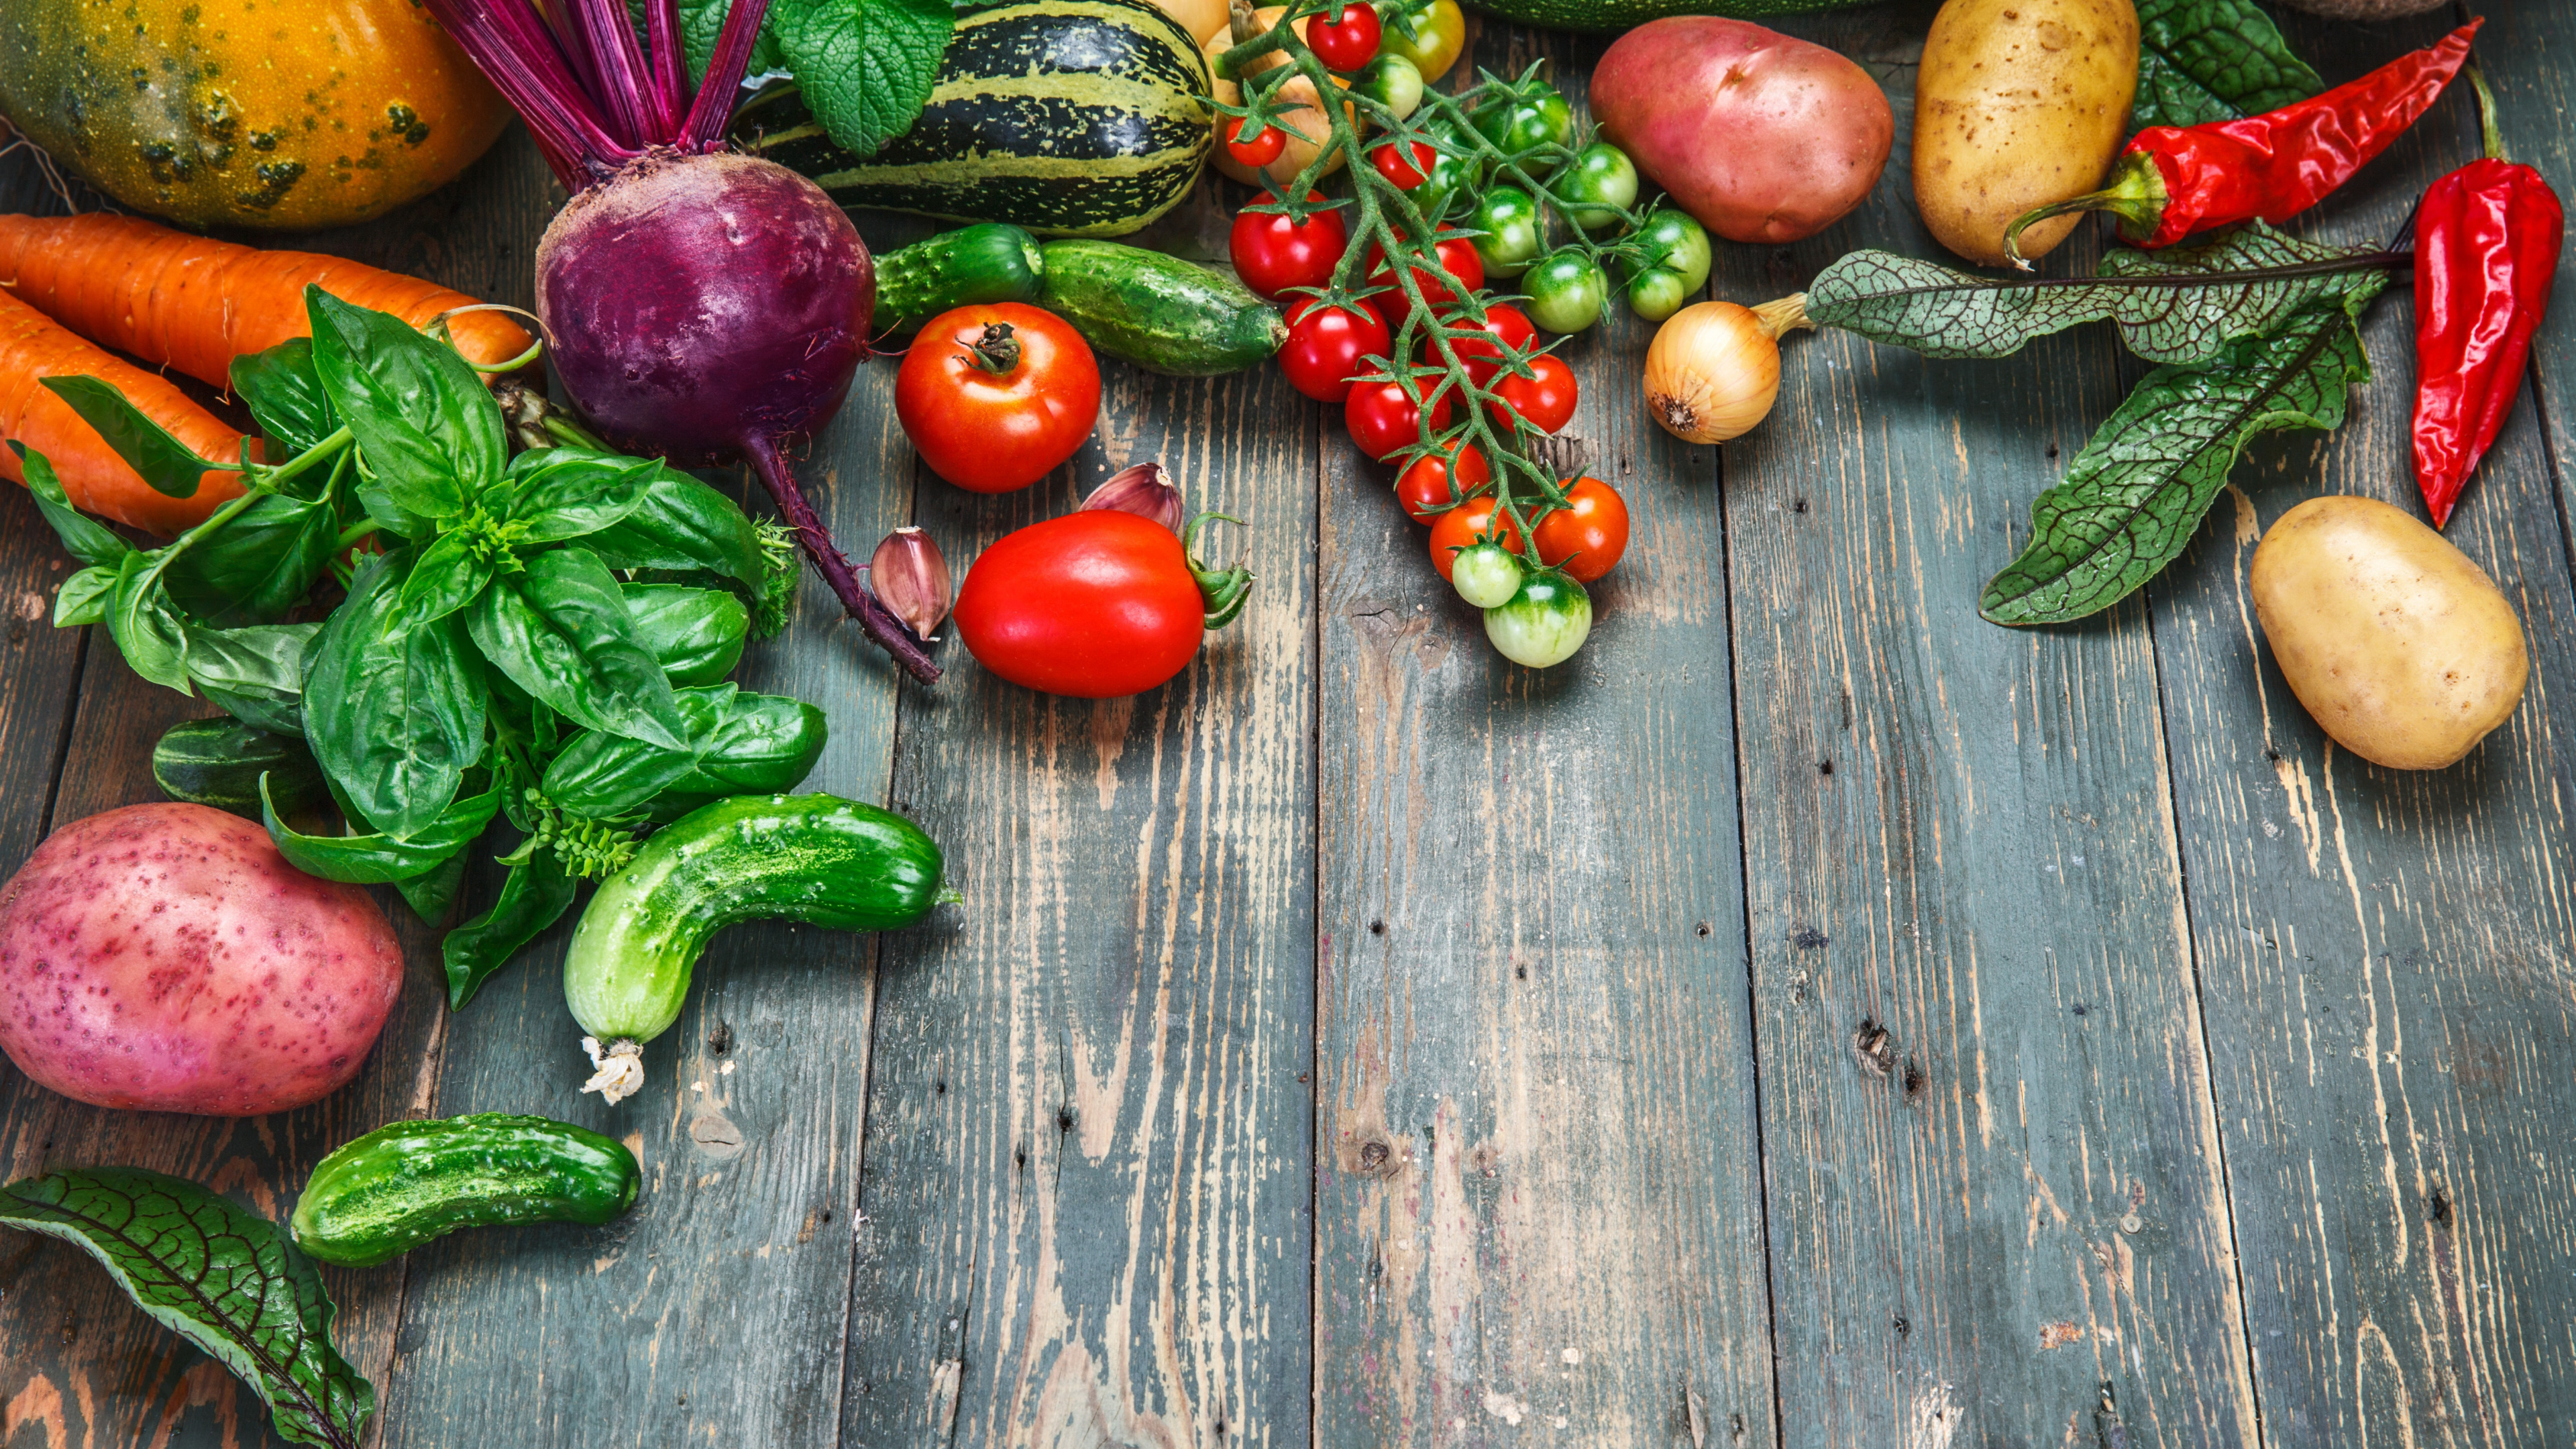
(1762, 137)
(166, 958)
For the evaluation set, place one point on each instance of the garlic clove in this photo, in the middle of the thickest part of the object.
(1145, 490)
(909, 575)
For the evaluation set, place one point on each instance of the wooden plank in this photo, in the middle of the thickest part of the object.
(1538, 1197)
(1086, 1175)
(2530, 51)
(2386, 954)
(1993, 1178)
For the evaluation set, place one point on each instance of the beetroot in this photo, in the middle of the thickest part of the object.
(697, 304)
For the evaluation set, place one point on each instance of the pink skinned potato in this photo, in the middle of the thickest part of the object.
(1762, 137)
(167, 958)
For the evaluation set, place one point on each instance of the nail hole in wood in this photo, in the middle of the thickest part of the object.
(2441, 1207)
(2079, 1008)
(1872, 1046)
(1808, 938)
(1902, 1327)
(2052, 450)
(939, 1088)
(1913, 1077)
(2273, 755)
(1521, 971)
(1703, 928)
(1373, 1156)
(720, 1040)
(1377, 928)
(1800, 506)
(1825, 767)
(1064, 1119)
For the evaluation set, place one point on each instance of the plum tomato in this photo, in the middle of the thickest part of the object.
(1346, 38)
(1585, 538)
(1384, 422)
(1546, 397)
(1463, 525)
(1404, 172)
(1272, 253)
(1429, 484)
(1257, 152)
(996, 395)
(1510, 328)
(1457, 255)
(1430, 35)
(1325, 345)
(1096, 605)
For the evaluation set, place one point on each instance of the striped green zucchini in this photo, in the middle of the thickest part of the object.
(1066, 117)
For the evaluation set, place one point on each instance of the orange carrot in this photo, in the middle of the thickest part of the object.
(195, 304)
(33, 346)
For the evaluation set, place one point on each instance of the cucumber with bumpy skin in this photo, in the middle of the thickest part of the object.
(1159, 312)
(218, 762)
(990, 262)
(409, 1182)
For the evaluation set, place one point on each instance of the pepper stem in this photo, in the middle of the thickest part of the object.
(1226, 590)
(2493, 133)
(2136, 196)
(996, 352)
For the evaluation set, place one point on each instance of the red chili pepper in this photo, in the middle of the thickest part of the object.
(2486, 251)
(2172, 181)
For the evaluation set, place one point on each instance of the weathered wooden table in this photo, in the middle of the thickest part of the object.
(1814, 1016)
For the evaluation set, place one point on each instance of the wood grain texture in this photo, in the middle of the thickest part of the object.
(1993, 1170)
(2529, 52)
(2386, 955)
(1538, 1190)
(1086, 1174)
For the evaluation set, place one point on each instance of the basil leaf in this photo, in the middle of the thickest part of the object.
(147, 629)
(2136, 494)
(83, 597)
(256, 674)
(260, 564)
(560, 493)
(696, 635)
(2213, 60)
(395, 719)
(451, 574)
(170, 466)
(285, 394)
(561, 632)
(87, 539)
(221, 1277)
(432, 437)
(432, 893)
(865, 69)
(681, 523)
(534, 895)
(600, 775)
(764, 745)
(2181, 304)
(380, 859)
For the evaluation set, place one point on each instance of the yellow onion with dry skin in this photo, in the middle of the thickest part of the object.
(1714, 367)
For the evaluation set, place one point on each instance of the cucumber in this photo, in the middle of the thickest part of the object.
(812, 858)
(1159, 312)
(988, 262)
(1609, 15)
(218, 762)
(409, 1182)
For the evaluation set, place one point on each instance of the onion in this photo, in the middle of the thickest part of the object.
(1714, 368)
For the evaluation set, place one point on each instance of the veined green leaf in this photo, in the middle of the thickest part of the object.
(534, 895)
(285, 395)
(147, 628)
(432, 892)
(2137, 493)
(90, 541)
(865, 66)
(395, 717)
(83, 597)
(2213, 60)
(381, 859)
(561, 631)
(431, 436)
(259, 564)
(560, 493)
(170, 466)
(256, 674)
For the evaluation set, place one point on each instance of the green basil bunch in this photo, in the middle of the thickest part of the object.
(539, 638)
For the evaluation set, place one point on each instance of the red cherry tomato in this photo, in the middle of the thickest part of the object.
(1383, 421)
(1272, 253)
(996, 395)
(1095, 605)
(1325, 345)
(1345, 39)
(1457, 254)
(1459, 527)
(1429, 485)
(1258, 152)
(1592, 533)
(1509, 326)
(1404, 172)
(1546, 397)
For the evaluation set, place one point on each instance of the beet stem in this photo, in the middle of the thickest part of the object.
(712, 108)
(583, 62)
(618, 64)
(513, 48)
(876, 620)
(668, 76)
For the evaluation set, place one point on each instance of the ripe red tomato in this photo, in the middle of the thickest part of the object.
(1592, 533)
(1325, 345)
(1094, 605)
(1458, 528)
(996, 395)
(1546, 397)
(1404, 172)
(1345, 39)
(1272, 253)
(1383, 421)
(1509, 325)
(1457, 254)
(1429, 485)
(1258, 152)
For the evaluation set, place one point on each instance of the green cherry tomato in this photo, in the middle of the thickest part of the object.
(1508, 217)
(1437, 32)
(1675, 243)
(1486, 576)
(1393, 82)
(1566, 289)
(1601, 184)
(1450, 178)
(1543, 623)
(1656, 294)
(1520, 124)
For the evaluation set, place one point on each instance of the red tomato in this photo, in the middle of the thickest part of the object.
(1272, 253)
(1405, 173)
(1345, 39)
(996, 395)
(1457, 254)
(1325, 345)
(1429, 485)
(1546, 397)
(1095, 605)
(1509, 325)
(1593, 532)
(1258, 152)
(1458, 528)
(1383, 421)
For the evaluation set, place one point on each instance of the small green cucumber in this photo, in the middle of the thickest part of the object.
(409, 1182)
(1156, 311)
(812, 858)
(991, 262)
(218, 762)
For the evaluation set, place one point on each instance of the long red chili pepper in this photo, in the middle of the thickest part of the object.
(2172, 181)
(2486, 251)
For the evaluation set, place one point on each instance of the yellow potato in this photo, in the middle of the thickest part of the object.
(1308, 119)
(2392, 638)
(1198, 17)
(2019, 103)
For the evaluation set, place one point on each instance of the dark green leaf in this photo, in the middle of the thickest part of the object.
(560, 493)
(83, 597)
(2213, 60)
(696, 635)
(148, 630)
(865, 66)
(534, 895)
(260, 564)
(764, 745)
(395, 721)
(561, 632)
(285, 394)
(601, 775)
(380, 859)
(432, 893)
(451, 574)
(430, 434)
(221, 1277)
(681, 523)
(170, 466)
(701, 21)
(2137, 493)
(256, 674)
(88, 540)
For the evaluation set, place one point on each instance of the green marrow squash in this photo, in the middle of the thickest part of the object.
(988, 262)
(409, 1182)
(818, 859)
(1610, 15)
(1159, 312)
(218, 762)
(1067, 117)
